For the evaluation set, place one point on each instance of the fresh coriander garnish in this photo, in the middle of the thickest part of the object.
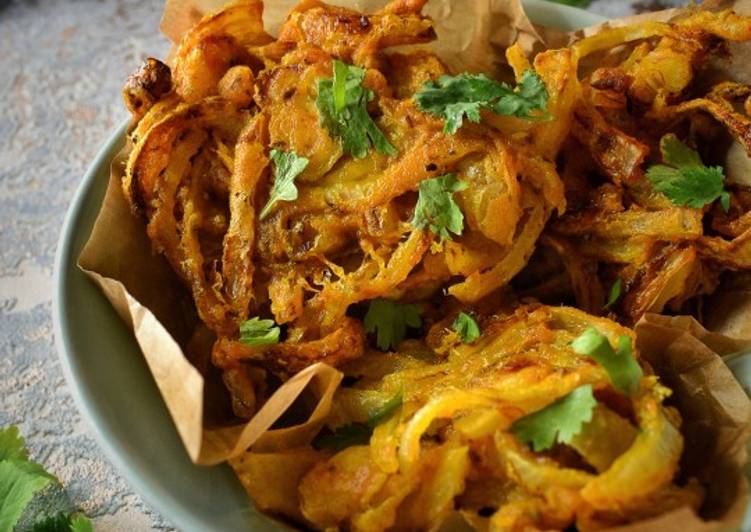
(391, 320)
(20, 481)
(453, 97)
(436, 208)
(622, 367)
(575, 3)
(256, 331)
(684, 178)
(358, 433)
(466, 327)
(615, 293)
(343, 106)
(287, 166)
(557, 422)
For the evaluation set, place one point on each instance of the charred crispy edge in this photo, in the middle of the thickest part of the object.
(240, 23)
(216, 19)
(179, 120)
(149, 83)
(355, 24)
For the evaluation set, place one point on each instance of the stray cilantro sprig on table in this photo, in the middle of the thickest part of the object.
(623, 369)
(342, 103)
(454, 97)
(22, 482)
(390, 321)
(557, 422)
(436, 208)
(466, 327)
(685, 179)
(287, 166)
(358, 433)
(256, 331)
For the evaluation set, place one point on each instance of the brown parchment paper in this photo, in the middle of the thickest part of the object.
(471, 36)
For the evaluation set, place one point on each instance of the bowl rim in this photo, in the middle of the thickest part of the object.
(66, 257)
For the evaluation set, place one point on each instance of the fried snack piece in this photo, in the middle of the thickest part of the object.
(450, 445)
(357, 37)
(618, 229)
(200, 170)
(231, 37)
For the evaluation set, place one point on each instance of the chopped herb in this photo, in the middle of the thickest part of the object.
(386, 411)
(390, 320)
(684, 178)
(454, 97)
(63, 523)
(466, 327)
(358, 433)
(557, 422)
(615, 293)
(622, 367)
(342, 103)
(287, 166)
(256, 331)
(575, 3)
(436, 208)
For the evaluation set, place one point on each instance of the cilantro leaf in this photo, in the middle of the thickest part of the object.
(18, 484)
(390, 320)
(63, 523)
(287, 166)
(575, 3)
(684, 179)
(12, 446)
(55, 523)
(454, 97)
(340, 85)
(256, 331)
(81, 523)
(20, 478)
(557, 422)
(358, 433)
(677, 154)
(436, 208)
(342, 104)
(23, 481)
(622, 367)
(388, 409)
(530, 95)
(615, 293)
(466, 327)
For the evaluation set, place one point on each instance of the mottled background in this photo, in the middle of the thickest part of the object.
(62, 63)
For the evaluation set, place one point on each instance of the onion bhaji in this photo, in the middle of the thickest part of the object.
(321, 194)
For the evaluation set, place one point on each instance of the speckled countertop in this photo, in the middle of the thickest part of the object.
(62, 63)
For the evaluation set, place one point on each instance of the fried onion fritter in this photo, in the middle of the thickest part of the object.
(200, 170)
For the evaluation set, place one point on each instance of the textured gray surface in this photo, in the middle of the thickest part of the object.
(62, 63)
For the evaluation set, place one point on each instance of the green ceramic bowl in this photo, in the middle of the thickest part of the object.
(112, 384)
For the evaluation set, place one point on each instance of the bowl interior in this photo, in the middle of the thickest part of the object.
(112, 384)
